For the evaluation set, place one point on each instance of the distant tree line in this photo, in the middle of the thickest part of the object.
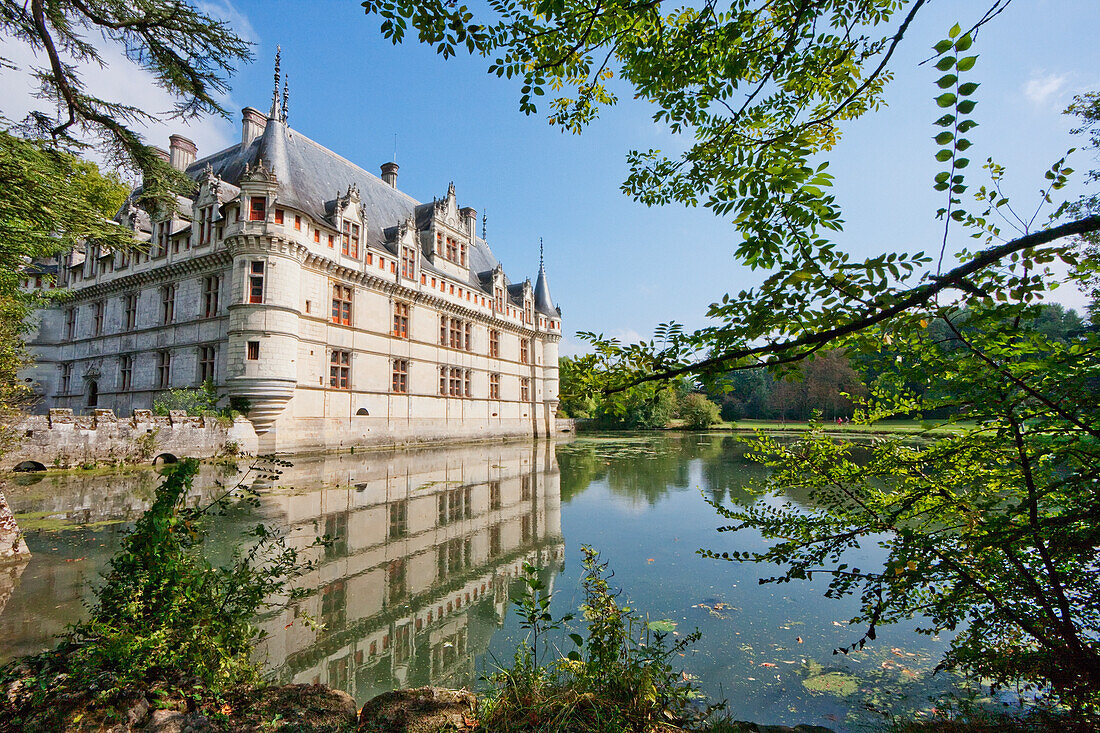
(829, 385)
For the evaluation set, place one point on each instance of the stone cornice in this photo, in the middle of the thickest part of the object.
(194, 265)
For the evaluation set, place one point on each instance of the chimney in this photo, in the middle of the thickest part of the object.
(469, 215)
(253, 122)
(161, 153)
(182, 152)
(389, 174)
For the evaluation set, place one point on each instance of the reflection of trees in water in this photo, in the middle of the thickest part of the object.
(649, 467)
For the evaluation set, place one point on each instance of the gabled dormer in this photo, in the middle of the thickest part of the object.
(350, 221)
(206, 211)
(406, 243)
(447, 233)
(258, 189)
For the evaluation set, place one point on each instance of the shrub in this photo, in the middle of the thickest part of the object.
(193, 401)
(620, 676)
(165, 616)
(698, 412)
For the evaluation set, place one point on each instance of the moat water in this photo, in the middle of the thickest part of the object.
(416, 589)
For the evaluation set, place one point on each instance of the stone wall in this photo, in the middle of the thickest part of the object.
(64, 440)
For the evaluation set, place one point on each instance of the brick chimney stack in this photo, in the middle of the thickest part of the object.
(389, 174)
(253, 122)
(182, 152)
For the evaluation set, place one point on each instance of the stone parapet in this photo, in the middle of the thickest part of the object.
(64, 440)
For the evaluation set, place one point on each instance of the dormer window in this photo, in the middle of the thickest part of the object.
(498, 300)
(408, 263)
(206, 225)
(257, 208)
(350, 243)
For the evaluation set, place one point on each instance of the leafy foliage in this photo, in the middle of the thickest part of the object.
(698, 412)
(189, 53)
(164, 615)
(193, 401)
(991, 531)
(620, 676)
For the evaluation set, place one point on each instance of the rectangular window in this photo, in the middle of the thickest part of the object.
(211, 284)
(129, 311)
(452, 250)
(97, 318)
(278, 216)
(66, 378)
(466, 373)
(524, 355)
(206, 225)
(339, 372)
(167, 304)
(443, 381)
(467, 341)
(443, 330)
(399, 519)
(456, 334)
(125, 372)
(462, 254)
(498, 299)
(527, 312)
(525, 389)
(253, 350)
(349, 245)
(456, 382)
(408, 263)
(494, 386)
(257, 208)
(401, 376)
(341, 304)
(316, 236)
(494, 343)
(164, 369)
(331, 241)
(256, 282)
(207, 357)
(298, 222)
(70, 323)
(401, 320)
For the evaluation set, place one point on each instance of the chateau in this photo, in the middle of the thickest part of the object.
(339, 310)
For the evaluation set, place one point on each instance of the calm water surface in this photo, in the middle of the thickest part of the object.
(416, 589)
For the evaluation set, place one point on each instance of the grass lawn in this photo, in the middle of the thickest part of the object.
(889, 426)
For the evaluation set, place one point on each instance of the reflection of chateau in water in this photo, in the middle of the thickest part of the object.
(418, 581)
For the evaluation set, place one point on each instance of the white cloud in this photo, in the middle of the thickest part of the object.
(1043, 90)
(123, 81)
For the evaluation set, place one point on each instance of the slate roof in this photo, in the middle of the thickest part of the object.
(543, 302)
(311, 178)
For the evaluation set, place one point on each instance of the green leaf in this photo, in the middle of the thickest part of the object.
(944, 137)
(968, 88)
(947, 80)
(955, 30)
(945, 63)
(943, 46)
(943, 155)
(966, 106)
(946, 100)
(966, 64)
(964, 43)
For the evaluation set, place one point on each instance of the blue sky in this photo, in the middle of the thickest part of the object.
(616, 266)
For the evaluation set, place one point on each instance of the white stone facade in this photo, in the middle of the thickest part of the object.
(315, 291)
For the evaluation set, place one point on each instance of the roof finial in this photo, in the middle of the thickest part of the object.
(540, 253)
(275, 94)
(286, 95)
(484, 220)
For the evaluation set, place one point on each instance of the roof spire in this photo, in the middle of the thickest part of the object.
(484, 219)
(540, 253)
(275, 108)
(286, 95)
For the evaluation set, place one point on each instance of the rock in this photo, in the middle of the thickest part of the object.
(166, 721)
(137, 712)
(12, 544)
(421, 710)
(298, 708)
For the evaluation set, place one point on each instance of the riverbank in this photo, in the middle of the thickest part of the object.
(892, 427)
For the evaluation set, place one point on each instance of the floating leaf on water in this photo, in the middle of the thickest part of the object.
(664, 626)
(834, 683)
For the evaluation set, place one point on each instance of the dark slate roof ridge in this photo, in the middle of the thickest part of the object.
(342, 159)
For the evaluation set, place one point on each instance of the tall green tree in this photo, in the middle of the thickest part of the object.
(990, 532)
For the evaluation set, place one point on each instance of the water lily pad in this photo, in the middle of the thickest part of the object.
(834, 683)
